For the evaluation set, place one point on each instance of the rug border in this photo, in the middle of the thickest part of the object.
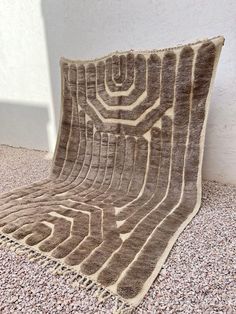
(147, 51)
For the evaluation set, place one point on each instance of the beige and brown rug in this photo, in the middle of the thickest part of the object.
(126, 176)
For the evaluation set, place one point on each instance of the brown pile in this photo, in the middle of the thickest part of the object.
(126, 177)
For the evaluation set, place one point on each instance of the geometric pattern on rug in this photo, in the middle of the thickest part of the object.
(126, 176)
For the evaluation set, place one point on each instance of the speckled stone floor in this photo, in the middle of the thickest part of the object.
(198, 277)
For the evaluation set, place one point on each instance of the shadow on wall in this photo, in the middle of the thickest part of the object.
(52, 13)
(23, 124)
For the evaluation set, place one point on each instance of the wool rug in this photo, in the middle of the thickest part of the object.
(126, 174)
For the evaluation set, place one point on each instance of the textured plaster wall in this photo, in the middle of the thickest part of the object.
(34, 34)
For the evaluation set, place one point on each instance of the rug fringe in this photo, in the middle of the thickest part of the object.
(56, 267)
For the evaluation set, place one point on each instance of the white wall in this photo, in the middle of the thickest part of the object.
(26, 110)
(34, 34)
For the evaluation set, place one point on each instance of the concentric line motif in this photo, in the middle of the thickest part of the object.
(126, 177)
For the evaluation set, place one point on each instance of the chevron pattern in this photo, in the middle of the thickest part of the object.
(126, 176)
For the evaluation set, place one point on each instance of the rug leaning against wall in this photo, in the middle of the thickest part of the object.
(126, 176)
